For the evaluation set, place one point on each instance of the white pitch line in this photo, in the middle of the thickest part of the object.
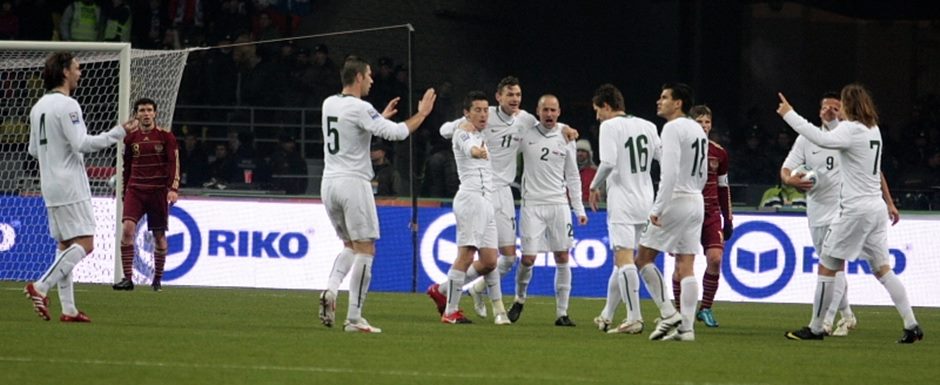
(311, 369)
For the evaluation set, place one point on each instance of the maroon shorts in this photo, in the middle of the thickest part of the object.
(711, 231)
(138, 202)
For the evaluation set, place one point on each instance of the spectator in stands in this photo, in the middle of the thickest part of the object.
(222, 74)
(385, 179)
(80, 21)
(751, 165)
(149, 24)
(780, 147)
(186, 13)
(383, 83)
(194, 162)
(322, 77)
(117, 22)
(9, 21)
(400, 84)
(231, 19)
(289, 166)
(223, 169)
(440, 177)
(586, 167)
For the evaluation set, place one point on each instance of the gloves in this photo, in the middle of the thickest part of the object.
(727, 230)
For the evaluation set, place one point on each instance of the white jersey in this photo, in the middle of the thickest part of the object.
(628, 145)
(859, 150)
(58, 138)
(476, 175)
(550, 168)
(502, 141)
(348, 125)
(822, 201)
(685, 149)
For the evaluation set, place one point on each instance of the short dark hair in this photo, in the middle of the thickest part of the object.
(143, 101)
(683, 92)
(608, 94)
(352, 67)
(508, 81)
(831, 95)
(700, 110)
(57, 62)
(471, 97)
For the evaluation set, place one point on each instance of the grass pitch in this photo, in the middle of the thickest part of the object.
(188, 335)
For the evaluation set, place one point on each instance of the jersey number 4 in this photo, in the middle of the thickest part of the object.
(333, 133)
(42, 130)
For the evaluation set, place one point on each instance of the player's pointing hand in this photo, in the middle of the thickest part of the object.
(784, 106)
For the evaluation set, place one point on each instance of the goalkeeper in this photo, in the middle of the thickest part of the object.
(151, 180)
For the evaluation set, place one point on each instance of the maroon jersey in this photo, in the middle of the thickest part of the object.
(717, 166)
(151, 160)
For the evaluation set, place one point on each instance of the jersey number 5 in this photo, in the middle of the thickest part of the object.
(332, 132)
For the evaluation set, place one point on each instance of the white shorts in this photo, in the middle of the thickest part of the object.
(624, 235)
(545, 228)
(681, 229)
(864, 235)
(505, 210)
(71, 220)
(476, 223)
(351, 207)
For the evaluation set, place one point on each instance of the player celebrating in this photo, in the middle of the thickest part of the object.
(677, 214)
(503, 128)
(860, 228)
(58, 138)
(715, 231)
(348, 125)
(151, 184)
(550, 167)
(476, 223)
(628, 145)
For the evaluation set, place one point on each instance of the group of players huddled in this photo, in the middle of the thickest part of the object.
(848, 210)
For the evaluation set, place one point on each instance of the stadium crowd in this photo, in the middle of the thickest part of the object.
(289, 74)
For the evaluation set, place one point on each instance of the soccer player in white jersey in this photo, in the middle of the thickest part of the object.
(628, 145)
(861, 225)
(476, 222)
(549, 169)
(675, 221)
(505, 123)
(348, 126)
(58, 138)
(823, 204)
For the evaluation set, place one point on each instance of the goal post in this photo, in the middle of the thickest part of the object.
(113, 74)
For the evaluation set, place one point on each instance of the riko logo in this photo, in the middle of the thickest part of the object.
(759, 259)
(7, 237)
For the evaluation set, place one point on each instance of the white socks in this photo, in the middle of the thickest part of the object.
(654, 283)
(613, 295)
(505, 264)
(359, 285)
(455, 280)
(523, 276)
(64, 263)
(687, 302)
(628, 283)
(341, 266)
(821, 300)
(844, 306)
(495, 290)
(838, 298)
(562, 288)
(67, 296)
(899, 296)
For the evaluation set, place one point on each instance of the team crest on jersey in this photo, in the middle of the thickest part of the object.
(374, 114)
(713, 164)
(135, 148)
(74, 117)
(158, 148)
(464, 137)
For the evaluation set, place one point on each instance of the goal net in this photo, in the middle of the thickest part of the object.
(113, 76)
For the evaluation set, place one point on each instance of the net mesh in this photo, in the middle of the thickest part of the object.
(25, 246)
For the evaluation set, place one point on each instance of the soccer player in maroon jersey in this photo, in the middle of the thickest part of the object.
(715, 230)
(151, 182)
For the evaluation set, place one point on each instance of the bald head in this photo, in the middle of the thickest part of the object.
(548, 110)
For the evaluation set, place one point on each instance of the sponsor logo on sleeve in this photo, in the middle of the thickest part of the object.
(74, 117)
(374, 114)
